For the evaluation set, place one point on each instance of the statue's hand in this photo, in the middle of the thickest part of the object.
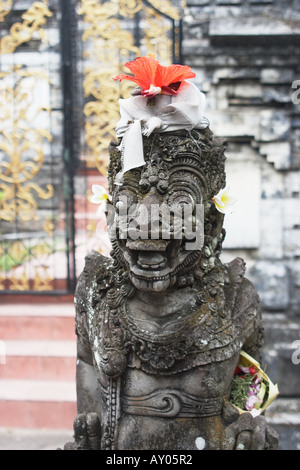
(87, 433)
(247, 433)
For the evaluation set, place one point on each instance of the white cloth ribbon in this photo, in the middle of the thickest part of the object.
(168, 113)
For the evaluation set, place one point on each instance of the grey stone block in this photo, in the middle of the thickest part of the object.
(247, 26)
(229, 2)
(278, 153)
(277, 76)
(294, 274)
(272, 283)
(281, 352)
(274, 125)
(284, 416)
(261, 1)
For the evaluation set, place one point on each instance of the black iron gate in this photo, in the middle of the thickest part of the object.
(59, 109)
(35, 223)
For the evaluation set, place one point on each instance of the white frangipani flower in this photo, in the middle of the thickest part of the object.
(223, 200)
(100, 195)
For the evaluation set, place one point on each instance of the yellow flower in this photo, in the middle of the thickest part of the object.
(100, 195)
(223, 200)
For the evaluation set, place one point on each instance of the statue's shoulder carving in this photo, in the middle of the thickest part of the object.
(97, 269)
(237, 270)
(246, 309)
(95, 279)
(96, 265)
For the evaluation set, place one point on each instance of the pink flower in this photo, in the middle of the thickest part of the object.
(251, 402)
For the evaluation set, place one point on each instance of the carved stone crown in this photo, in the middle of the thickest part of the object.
(198, 150)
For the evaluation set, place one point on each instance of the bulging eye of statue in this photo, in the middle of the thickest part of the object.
(162, 186)
(144, 185)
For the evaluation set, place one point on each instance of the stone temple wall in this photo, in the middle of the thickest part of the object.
(246, 55)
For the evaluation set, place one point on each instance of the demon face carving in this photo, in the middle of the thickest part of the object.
(157, 218)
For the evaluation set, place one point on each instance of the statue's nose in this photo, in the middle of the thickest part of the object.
(147, 214)
(152, 197)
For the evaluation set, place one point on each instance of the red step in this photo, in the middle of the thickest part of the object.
(37, 366)
(42, 360)
(29, 327)
(37, 404)
(37, 321)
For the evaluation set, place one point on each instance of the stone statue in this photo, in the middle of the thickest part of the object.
(160, 327)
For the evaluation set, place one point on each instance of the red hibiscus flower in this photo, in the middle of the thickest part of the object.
(252, 370)
(154, 78)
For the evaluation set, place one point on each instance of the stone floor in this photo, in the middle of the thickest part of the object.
(30, 439)
(42, 439)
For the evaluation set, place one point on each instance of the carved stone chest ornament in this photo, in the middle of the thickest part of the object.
(161, 324)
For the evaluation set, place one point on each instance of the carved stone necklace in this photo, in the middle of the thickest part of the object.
(203, 337)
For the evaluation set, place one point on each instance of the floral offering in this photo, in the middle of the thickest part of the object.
(252, 390)
(155, 79)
